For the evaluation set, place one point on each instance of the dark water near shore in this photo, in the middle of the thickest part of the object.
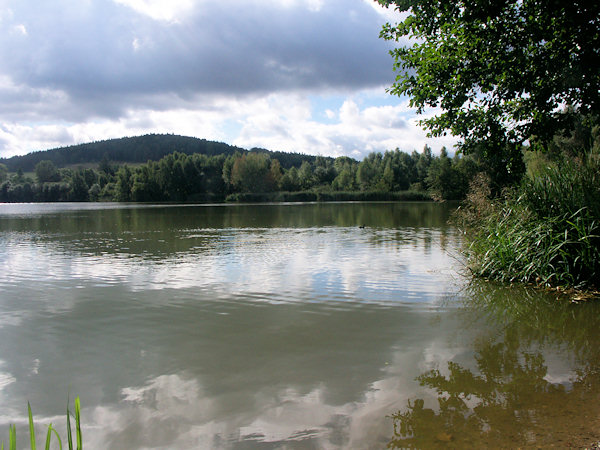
(345, 325)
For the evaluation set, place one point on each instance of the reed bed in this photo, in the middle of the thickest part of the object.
(545, 232)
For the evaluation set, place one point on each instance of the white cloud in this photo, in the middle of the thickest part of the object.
(388, 14)
(248, 73)
(169, 11)
(136, 44)
(281, 121)
(20, 29)
(357, 132)
(311, 5)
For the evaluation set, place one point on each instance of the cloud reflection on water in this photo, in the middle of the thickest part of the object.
(177, 333)
(174, 410)
(278, 264)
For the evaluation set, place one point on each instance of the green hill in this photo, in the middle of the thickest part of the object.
(138, 149)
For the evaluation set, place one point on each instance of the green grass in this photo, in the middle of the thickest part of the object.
(12, 431)
(545, 232)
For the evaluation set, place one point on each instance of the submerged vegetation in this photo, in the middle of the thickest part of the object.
(12, 435)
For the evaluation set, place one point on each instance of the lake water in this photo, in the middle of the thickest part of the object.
(333, 326)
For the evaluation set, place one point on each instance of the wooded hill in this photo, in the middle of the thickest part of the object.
(140, 149)
(159, 168)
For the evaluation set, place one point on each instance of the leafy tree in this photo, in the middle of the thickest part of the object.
(54, 192)
(19, 177)
(579, 141)
(423, 162)
(191, 176)
(306, 175)
(123, 184)
(324, 172)
(345, 179)
(251, 173)
(449, 179)
(386, 183)
(105, 166)
(79, 188)
(171, 176)
(104, 179)
(210, 170)
(369, 171)
(109, 191)
(403, 167)
(501, 71)
(228, 167)
(466, 168)
(289, 180)
(145, 186)
(90, 176)
(3, 173)
(275, 173)
(4, 188)
(441, 177)
(94, 192)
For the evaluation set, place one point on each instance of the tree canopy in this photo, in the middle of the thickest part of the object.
(46, 170)
(502, 72)
(248, 176)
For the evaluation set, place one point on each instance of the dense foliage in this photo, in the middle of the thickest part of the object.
(514, 78)
(501, 72)
(247, 176)
(545, 231)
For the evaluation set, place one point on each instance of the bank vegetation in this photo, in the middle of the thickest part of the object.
(247, 176)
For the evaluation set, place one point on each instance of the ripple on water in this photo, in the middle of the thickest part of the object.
(272, 265)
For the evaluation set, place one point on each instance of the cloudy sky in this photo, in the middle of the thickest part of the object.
(293, 75)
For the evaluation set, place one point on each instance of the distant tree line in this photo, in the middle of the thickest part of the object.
(135, 150)
(180, 177)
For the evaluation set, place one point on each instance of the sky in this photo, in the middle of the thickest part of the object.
(306, 76)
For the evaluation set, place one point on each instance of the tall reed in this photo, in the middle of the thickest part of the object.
(12, 431)
(546, 231)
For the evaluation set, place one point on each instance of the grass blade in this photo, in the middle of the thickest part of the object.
(48, 437)
(69, 434)
(78, 423)
(51, 430)
(31, 428)
(12, 437)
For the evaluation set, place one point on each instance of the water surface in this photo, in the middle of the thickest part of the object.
(342, 325)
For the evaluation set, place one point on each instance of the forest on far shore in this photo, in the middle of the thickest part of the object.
(218, 172)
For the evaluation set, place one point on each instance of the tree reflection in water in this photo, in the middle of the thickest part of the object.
(508, 399)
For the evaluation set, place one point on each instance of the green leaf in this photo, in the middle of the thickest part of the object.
(51, 430)
(31, 427)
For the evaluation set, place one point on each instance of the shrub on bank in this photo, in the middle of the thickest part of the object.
(374, 196)
(269, 197)
(546, 231)
(333, 196)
